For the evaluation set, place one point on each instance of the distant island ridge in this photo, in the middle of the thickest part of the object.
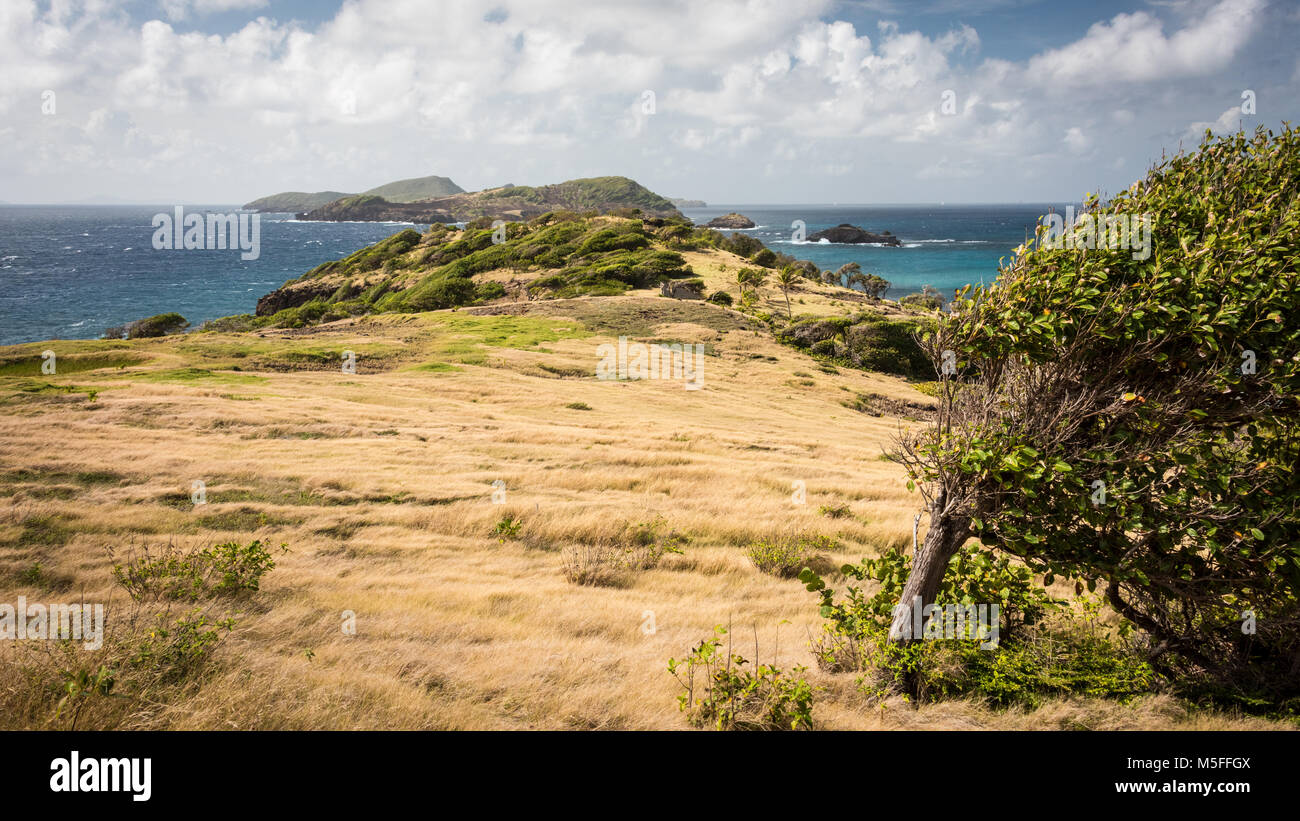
(512, 203)
(409, 190)
(438, 199)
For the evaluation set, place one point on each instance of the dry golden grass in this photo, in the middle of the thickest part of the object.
(381, 484)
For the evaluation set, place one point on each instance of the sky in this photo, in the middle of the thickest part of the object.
(729, 101)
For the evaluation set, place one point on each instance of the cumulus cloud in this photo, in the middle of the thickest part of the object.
(1133, 48)
(545, 91)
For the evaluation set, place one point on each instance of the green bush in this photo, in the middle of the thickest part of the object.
(1131, 415)
(223, 570)
(490, 290)
(929, 299)
(731, 697)
(507, 528)
(154, 326)
(1043, 648)
(785, 555)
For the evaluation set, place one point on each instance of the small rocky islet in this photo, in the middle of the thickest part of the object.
(853, 235)
(731, 221)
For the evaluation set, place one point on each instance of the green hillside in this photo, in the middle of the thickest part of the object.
(416, 188)
(294, 202)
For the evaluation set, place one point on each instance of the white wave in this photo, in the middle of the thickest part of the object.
(11, 256)
(359, 222)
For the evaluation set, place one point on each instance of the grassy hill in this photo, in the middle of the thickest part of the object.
(299, 202)
(416, 188)
(459, 494)
(294, 202)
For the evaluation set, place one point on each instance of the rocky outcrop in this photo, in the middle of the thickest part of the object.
(732, 220)
(292, 295)
(854, 235)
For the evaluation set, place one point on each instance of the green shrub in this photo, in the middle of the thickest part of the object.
(1043, 648)
(507, 528)
(490, 290)
(157, 325)
(785, 555)
(929, 299)
(176, 647)
(224, 570)
(733, 698)
(721, 298)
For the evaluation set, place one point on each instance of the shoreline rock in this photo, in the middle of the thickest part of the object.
(732, 220)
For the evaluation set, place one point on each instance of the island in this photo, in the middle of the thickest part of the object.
(513, 203)
(852, 234)
(732, 220)
(408, 190)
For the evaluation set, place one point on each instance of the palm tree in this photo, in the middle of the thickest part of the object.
(785, 280)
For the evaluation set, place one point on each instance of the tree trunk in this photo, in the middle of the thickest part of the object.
(948, 532)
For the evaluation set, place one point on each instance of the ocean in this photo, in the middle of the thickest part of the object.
(70, 272)
(946, 246)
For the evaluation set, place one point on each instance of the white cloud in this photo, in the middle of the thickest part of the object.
(1132, 48)
(554, 90)
(1228, 121)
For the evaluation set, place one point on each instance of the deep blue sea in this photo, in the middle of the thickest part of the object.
(69, 272)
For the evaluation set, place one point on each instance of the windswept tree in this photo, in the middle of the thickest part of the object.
(874, 286)
(870, 284)
(786, 279)
(1131, 417)
(847, 271)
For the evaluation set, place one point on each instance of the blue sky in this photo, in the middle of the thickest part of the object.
(794, 101)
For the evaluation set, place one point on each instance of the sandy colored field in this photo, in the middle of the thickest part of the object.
(381, 485)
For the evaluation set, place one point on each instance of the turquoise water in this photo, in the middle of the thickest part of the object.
(947, 246)
(69, 272)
